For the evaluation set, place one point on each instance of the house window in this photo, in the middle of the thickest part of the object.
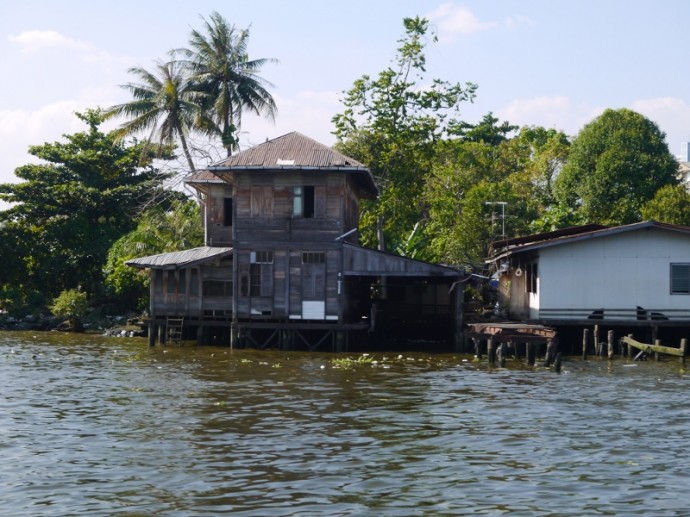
(217, 288)
(303, 201)
(227, 211)
(313, 275)
(261, 273)
(262, 202)
(313, 257)
(680, 278)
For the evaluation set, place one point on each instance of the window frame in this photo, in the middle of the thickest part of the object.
(675, 267)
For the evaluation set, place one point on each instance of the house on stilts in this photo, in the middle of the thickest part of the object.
(282, 267)
(632, 279)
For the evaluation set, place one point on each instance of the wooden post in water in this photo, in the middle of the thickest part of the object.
(609, 339)
(502, 355)
(657, 356)
(152, 333)
(597, 345)
(529, 351)
(585, 340)
(630, 348)
(557, 363)
(683, 347)
(477, 347)
(490, 351)
(550, 353)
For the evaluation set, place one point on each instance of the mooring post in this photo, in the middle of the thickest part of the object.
(609, 338)
(557, 363)
(550, 353)
(657, 356)
(585, 340)
(683, 346)
(502, 355)
(597, 345)
(529, 351)
(490, 351)
(152, 333)
(477, 347)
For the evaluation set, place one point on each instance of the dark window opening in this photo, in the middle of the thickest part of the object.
(227, 211)
(218, 288)
(680, 278)
(308, 202)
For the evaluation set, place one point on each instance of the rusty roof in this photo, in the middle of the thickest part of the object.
(180, 259)
(294, 151)
(576, 234)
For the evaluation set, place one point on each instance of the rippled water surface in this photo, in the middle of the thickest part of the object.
(104, 426)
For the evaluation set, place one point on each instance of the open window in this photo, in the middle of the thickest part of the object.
(227, 211)
(303, 201)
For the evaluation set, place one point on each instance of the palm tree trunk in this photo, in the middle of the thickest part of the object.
(187, 154)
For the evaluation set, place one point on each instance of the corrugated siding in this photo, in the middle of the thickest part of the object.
(179, 259)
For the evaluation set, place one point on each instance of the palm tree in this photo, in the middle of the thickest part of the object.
(166, 103)
(221, 69)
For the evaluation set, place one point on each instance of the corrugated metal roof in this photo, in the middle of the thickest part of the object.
(291, 150)
(203, 177)
(295, 152)
(530, 245)
(180, 259)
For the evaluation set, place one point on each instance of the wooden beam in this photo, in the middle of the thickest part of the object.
(657, 349)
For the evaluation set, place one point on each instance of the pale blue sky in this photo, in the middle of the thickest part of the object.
(538, 62)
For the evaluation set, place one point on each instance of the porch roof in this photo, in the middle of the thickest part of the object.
(360, 261)
(180, 259)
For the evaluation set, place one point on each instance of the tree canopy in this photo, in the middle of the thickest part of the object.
(391, 123)
(617, 163)
(70, 208)
(202, 89)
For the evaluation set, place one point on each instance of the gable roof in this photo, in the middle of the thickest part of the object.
(180, 259)
(294, 151)
(575, 234)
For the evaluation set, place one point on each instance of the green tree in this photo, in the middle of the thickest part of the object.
(670, 204)
(616, 164)
(160, 229)
(166, 104)
(220, 68)
(71, 207)
(73, 305)
(392, 123)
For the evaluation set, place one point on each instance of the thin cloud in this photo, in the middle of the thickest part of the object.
(35, 41)
(556, 112)
(453, 20)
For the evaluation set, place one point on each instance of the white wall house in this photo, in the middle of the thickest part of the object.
(626, 273)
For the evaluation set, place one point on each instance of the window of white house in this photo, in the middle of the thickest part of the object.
(680, 278)
(303, 201)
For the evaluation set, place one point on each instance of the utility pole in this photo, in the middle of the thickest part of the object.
(503, 214)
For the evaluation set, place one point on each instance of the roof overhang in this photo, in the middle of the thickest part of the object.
(360, 261)
(180, 259)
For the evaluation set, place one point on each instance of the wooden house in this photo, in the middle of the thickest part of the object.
(627, 276)
(281, 265)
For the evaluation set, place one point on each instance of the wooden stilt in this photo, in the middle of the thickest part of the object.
(557, 363)
(530, 352)
(683, 347)
(502, 355)
(657, 356)
(585, 341)
(152, 334)
(490, 351)
(609, 340)
(550, 353)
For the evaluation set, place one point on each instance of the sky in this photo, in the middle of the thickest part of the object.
(548, 63)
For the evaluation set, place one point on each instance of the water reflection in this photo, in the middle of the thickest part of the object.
(111, 427)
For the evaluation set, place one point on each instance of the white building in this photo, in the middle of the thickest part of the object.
(625, 274)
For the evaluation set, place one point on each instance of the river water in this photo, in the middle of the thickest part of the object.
(106, 426)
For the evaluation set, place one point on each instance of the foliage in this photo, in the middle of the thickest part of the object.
(70, 208)
(166, 104)
(220, 68)
(204, 93)
(351, 362)
(617, 163)
(671, 204)
(160, 229)
(73, 305)
(391, 123)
